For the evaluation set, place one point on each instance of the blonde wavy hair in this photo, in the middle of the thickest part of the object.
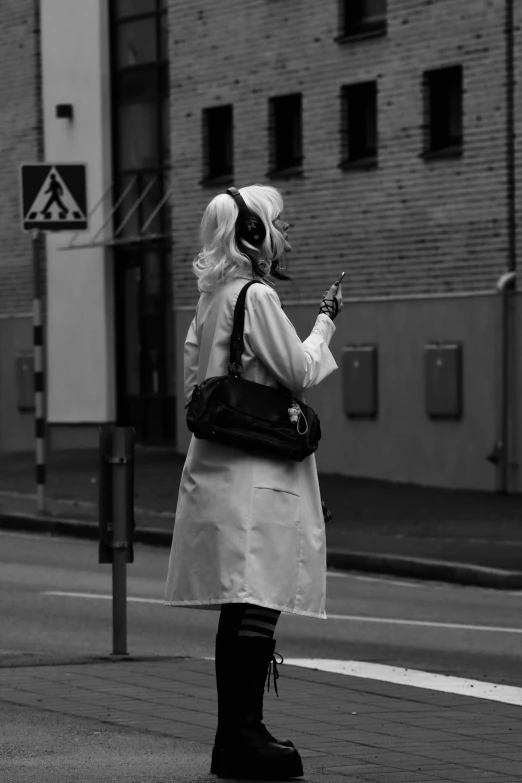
(222, 257)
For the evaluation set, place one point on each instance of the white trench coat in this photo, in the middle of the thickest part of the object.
(250, 529)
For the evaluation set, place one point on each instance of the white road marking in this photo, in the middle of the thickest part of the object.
(381, 580)
(507, 694)
(352, 617)
(426, 623)
(427, 584)
(103, 597)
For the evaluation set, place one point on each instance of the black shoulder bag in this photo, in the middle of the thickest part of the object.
(251, 416)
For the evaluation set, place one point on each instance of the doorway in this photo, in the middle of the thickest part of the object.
(143, 345)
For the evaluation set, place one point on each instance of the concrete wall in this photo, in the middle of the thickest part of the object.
(403, 443)
(75, 66)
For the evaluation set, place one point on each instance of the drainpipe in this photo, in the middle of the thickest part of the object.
(500, 455)
(503, 451)
(510, 135)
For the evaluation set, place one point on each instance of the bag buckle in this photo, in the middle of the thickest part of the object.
(295, 414)
(235, 368)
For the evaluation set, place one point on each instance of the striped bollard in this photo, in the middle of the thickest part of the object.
(39, 378)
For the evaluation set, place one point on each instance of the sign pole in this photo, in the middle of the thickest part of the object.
(53, 198)
(39, 374)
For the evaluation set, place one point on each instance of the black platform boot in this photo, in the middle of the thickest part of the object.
(244, 748)
(225, 669)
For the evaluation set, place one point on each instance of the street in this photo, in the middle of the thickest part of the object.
(462, 631)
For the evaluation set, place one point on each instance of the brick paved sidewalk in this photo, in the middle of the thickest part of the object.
(345, 728)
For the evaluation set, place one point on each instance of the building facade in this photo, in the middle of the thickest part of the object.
(391, 130)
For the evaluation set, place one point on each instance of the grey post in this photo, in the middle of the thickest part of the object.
(117, 520)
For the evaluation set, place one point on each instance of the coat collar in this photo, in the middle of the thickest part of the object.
(251, 277)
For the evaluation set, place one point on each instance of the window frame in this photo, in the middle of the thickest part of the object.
(361, 28)
(157, 74)
(208, 177)
(436, 143)
(355, 93)
(280, 168)
(145, 209)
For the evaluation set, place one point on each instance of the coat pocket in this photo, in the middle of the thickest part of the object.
(273, 546)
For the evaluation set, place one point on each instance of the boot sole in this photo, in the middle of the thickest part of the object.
(231, 764)
(214, 764)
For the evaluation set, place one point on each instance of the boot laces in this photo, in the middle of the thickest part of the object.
(272, 669)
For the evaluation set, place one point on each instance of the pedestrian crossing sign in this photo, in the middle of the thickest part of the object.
(54, 196)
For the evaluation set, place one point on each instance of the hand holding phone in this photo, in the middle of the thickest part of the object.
(332, 303)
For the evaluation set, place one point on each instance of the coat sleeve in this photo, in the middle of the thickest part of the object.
(274, 340)
(190, 360)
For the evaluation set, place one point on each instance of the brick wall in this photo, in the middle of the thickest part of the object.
(408, 226)
(20, 141)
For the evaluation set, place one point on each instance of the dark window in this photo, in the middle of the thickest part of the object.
(137, 84)
(141, 228)
(138, 147)
(140, 114)
(218, 142)
(359, 122)
(363, 16)
(124, 8)
(137, 42)
(139, 95)
(286, 132)
(443, 103)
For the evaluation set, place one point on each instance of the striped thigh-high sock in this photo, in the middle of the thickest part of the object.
(258, 621)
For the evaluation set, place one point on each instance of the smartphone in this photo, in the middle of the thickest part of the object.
(340, 280)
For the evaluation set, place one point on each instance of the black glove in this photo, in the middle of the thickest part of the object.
(329, 304)
(330, 308)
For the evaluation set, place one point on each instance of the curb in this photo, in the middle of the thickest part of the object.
(423, 568)
(395, 565)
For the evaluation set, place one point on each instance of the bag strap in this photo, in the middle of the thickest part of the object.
(237, 342)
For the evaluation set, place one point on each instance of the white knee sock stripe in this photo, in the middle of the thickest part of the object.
(257, 624)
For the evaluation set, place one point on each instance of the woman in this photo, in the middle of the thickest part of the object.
(249, 535)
